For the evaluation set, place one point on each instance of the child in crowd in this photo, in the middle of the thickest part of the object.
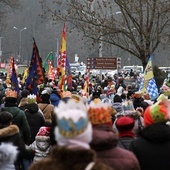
(41, 146)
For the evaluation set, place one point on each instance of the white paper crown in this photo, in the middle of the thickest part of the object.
(31, 98)
(72, 119)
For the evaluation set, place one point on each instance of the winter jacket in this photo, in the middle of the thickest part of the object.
(152, 147)
(10, 134)
(41, 147)
(124, 142)
(35, 120)
(105, 144)
(48, 111)
(139, 102)
(8, 156)
(19, 118)
(62, 158)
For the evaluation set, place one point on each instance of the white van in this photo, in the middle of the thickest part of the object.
(138, 69)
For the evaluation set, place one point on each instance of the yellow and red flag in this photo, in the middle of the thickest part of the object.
(61, 65)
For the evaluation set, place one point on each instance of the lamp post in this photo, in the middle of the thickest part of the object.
(0, 49)
(19, 49)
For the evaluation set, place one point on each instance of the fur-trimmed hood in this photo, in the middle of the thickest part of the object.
(9, 131)
(64, 158)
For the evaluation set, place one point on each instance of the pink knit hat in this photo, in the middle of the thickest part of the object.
(44, 131)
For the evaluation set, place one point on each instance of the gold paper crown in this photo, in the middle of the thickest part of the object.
(11, 93)
(99, 113)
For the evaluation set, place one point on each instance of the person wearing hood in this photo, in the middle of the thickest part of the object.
(10, 136)
(55, 97)
(35, 119)
(41, 145)
(117, 104)
(138, 101)
(19, 117)
(46, 107)
(152, 144)
(73, 134)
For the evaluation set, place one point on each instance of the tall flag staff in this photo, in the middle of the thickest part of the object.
(14, 78)
(148, 84)
(35, 72)
(61, 65)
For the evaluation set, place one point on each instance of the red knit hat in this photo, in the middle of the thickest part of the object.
(125, 123)
(44, 131)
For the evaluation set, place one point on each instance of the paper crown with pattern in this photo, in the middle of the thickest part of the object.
(99, 113)
(66, 94)
(11, 93)
(72, 119)
(32, 98)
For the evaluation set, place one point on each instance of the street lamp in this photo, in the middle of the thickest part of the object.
(19, 49)
(0, 49)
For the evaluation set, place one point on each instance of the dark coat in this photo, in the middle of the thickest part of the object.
(19, 118)
(62, 158)
(139, 102)
(11, 134)
(105, 144)
(35, 119)
(152, 147)
(124, 142)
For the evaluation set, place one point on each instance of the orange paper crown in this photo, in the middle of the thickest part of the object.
(99, 113)
(11, 93)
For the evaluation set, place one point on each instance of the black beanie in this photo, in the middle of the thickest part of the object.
(10, 101)
(45, 98)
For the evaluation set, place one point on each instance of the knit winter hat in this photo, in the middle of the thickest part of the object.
(73, 127)
(45, 97)
(99, 113)
(44, 131)
(124, 123)
(158, 112)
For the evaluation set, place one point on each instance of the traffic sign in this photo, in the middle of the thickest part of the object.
(103, 63)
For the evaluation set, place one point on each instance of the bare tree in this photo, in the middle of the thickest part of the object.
(138, 29)
(6, 6)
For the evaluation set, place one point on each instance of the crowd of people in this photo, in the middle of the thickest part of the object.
(113, 127)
